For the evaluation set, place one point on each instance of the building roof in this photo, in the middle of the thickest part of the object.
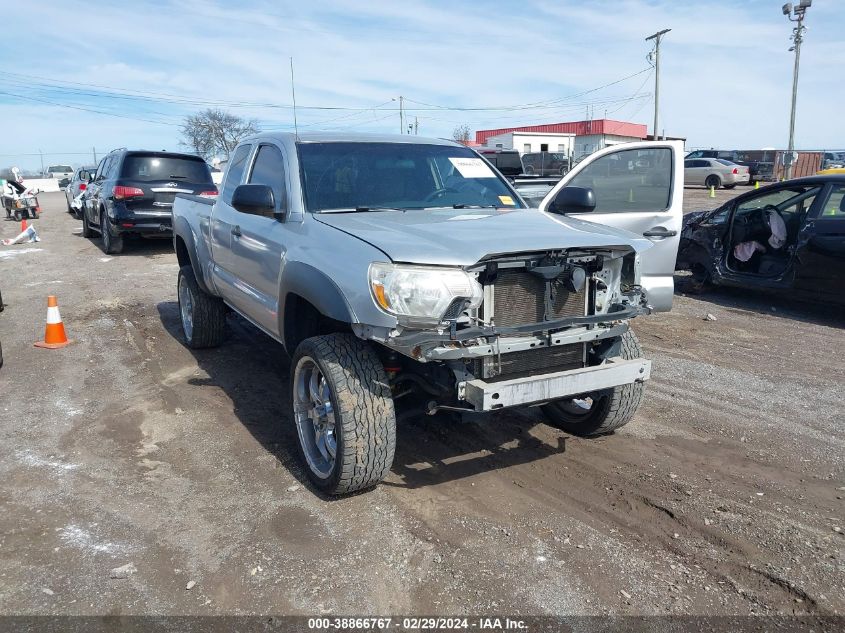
(579, 128)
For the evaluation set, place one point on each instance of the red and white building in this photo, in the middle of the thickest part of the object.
(575, 138)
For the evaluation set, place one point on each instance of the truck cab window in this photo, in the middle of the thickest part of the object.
(235, 173)
(269, 169)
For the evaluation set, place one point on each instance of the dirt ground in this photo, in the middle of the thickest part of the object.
(723, 496)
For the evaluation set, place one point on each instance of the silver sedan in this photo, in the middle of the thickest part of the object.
(715, 172)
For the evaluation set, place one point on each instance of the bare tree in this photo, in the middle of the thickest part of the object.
(215, 132)
(462, 134)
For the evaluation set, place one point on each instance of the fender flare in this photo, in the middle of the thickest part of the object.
(317, 288)
(182, 232)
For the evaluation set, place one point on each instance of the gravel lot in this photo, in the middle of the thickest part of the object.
(724, 496)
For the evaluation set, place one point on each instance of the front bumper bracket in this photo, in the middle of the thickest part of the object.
(489, 396)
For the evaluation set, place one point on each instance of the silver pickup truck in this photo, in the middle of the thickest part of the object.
(405, 276)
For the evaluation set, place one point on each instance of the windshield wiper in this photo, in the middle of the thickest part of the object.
(361, 209)
(474, 206)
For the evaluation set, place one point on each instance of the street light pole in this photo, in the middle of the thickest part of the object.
(797, 37)
(656, 37)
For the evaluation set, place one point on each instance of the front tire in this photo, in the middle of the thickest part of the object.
(203, 317)
(112, 244)
(604, 411)
(343, 412)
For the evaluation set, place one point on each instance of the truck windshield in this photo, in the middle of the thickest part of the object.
(362, 176)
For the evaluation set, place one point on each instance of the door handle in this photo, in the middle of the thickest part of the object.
(236, 231)
(659, 231)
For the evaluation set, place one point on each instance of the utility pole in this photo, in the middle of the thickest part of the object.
(656, 37)
(41, 155)
(401, 115)
(416, 126)
(797, 37)
(94, 151)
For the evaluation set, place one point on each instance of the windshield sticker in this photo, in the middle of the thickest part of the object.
(506, 200)
(472, 167)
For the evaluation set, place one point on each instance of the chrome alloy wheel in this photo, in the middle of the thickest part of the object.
(186, 309)
(314, 416)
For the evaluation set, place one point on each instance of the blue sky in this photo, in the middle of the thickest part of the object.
(126, 73)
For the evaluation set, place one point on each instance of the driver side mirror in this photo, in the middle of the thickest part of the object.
(573, 200)
(256, 200)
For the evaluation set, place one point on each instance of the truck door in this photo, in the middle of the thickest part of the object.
(820, 258)
(258, 244)
(638, 187)
(223, 220)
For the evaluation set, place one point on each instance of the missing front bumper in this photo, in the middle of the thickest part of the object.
(485, 396)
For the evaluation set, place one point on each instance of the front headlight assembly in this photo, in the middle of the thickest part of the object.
(423, 295)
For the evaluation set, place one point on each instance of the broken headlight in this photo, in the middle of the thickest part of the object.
(420, 295)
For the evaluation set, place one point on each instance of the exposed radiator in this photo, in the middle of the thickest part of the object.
(518, 299)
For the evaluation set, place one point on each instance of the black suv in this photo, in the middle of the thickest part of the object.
(507, 161)
(133, 193)
(546, 163)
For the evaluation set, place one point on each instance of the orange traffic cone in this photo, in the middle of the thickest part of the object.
(54, 335)
(23, 225)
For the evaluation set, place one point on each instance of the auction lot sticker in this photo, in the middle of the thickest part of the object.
(472, 168)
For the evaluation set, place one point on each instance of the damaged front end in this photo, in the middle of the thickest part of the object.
(540, 315)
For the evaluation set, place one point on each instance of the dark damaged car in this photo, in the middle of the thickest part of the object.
(787, 237)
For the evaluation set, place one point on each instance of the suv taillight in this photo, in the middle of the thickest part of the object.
(121, 193)
(208, 194)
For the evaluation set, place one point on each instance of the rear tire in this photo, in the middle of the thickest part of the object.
(729, 186)
(608, 409)
(112, 244)
(343, 412)
(713, 181)
(87, 231)
(202, 316)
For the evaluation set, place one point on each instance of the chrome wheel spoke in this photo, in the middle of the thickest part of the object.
(315, 419)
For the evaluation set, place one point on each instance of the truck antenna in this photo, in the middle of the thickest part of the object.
(293, 93)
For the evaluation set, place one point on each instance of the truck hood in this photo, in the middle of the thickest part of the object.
(461, 237)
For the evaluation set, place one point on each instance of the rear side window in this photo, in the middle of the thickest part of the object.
(629, 180)
(235, 172)
(269, 169)
(150, 167)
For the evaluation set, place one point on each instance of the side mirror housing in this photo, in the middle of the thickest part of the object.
(256, 200)
(573, 200)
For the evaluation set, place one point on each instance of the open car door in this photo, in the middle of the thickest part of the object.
(638, 187)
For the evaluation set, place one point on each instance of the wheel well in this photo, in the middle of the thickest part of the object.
(302, 320)
(182, 255)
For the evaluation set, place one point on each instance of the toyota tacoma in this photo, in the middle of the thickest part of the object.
(406, 276)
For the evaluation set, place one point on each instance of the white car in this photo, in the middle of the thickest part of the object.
(715, 172)
(60, 173)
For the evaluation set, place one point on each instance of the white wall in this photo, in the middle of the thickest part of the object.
(42, 184)
(533, 142)
(519, 140)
